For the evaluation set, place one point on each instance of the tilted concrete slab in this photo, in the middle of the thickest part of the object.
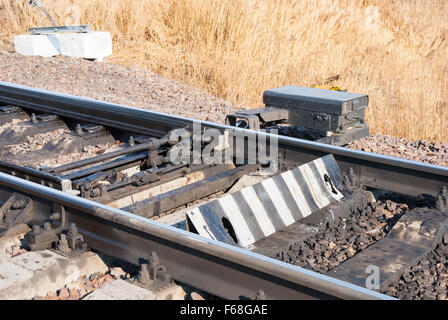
(37, 273)
(124, 290)
(257, 211)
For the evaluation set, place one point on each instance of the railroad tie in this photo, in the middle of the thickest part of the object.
(255, 212)
(410, 240)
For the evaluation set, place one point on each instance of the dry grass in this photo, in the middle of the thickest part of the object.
(395, 51)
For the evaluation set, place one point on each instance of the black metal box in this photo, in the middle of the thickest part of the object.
(325, 110)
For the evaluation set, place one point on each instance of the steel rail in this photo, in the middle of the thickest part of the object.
(35, 175)
(102, 157)
(65, 106)
(223, 270)
(377, 171)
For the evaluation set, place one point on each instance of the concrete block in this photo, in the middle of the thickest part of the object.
(255, 212)
(123, 290)
(37, 45)
(91, 45)
(36, 273)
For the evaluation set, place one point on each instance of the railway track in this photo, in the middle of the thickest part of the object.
(108, 170)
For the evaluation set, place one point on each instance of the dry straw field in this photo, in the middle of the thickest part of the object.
(394, 50)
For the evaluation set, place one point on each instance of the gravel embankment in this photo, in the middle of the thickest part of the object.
(112, 83)
(423, 151)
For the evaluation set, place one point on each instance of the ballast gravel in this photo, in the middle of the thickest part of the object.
(344, 237)
(423, 151)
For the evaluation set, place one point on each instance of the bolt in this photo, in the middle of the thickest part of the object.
(63, 244)
(154, 259)
(73, 230)
(442, 199)
(143, 274)
(55, 216)
(33, 118)
(131, 141)
(95, 192)
(351, 180)
(351, 175)
(18, 204)
(47, 226)
(79, 129)
(260, 295)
